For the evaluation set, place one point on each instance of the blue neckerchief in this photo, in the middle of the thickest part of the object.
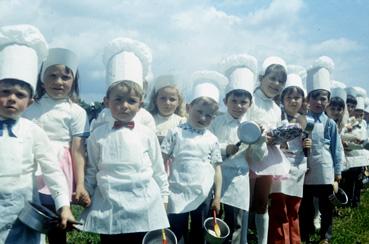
(187, 126)
(9, 124)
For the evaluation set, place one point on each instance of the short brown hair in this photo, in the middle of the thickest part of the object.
(206, 101)
(129, 85)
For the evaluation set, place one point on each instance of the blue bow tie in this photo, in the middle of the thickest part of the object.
(9, 124)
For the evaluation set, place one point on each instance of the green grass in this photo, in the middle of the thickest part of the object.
(350, 227)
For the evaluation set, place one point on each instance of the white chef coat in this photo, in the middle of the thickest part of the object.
(126, 179)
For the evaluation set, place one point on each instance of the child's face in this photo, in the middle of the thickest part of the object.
(319, 103)
(359, 114)
(237, 106)
(200, 114)
(335, 112)
(167, 101)
(123, 104)
(271, 86)
(57, 82)
(351, 108)
(292, 102)
(13, 100)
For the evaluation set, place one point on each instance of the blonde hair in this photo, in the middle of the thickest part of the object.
(129, 85)
(153, 108)
(206, 101)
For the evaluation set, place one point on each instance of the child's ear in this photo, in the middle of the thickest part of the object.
(30, 102)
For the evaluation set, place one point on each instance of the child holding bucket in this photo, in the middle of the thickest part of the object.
(125, 175)
(196, 159)
(24, 146)
(241, 70)
(325, 159)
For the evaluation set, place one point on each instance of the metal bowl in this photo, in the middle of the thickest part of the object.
(248, 132)
(338, 198)
(209, 231)
(38, 217)
(155, 237)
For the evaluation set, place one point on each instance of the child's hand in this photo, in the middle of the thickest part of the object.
(81, 196)
(66, 216)
(216, 204)
(338, 178)
(307, 142)
(231, 150)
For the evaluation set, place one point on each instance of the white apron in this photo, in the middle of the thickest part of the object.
(15, 190)
(190, 182)
(293, 184)
(127, 199)
(236, 182)
(275, 163)
(320, 163)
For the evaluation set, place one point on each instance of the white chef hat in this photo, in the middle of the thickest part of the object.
(319, 74)
(296, 74)
(61, 56)
(350, 91)
(338, 89)
(272, 60)
(22, 49)
(360, 103)
(360, 92)
(165, 80)
(241, 71)
(127, 59)
(206, 83)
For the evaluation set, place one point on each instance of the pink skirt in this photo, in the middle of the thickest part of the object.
(275, 163)
(66, 164)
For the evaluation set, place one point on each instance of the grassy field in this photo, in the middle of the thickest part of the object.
(350, 227)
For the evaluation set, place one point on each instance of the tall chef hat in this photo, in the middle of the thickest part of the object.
(207, 83)
(127, 59)
(319, 74)
(165, 80)
(295, 77)
(361, 94)
(241, 71)
(272, 60)
(61, 56)
(338, 89)
(22, 50)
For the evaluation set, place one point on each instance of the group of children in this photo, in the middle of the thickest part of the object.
(172, 165)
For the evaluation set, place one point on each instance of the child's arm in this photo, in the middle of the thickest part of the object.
(93, 152)
(45, 157)
(257, 151)
(218, 187)
(78, 158)
(336, 149)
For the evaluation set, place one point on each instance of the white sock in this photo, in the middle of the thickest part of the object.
(262, 224)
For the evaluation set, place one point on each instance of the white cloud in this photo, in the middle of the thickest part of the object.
(336, 46)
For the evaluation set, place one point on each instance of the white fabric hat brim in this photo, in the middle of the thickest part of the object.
(229, 64)
(318, 79)
(294, 80)
(61, 56)
(20, 63)
(241, 79)
(360, 103)
(337, 84)
(339, 92)
(361, 92)
(207, 84)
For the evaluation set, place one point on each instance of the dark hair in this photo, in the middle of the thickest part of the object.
(129, 85)
(74, 94)
(239, 93)
(279, 70)
(24, 85)
(291, 89)
(351, 99)
(320, 92)
(337, 102)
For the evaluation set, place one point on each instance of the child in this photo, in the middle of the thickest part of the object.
(265, 112)
(325, 158)
(125, 174)
(286, 193)
(196, 158)
(354, 134)
(166, 105)
(144, 54)
(241, 71)
(336, 109)
(65, 123)
(23, 145)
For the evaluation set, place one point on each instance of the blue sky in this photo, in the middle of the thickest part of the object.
(189, 35)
